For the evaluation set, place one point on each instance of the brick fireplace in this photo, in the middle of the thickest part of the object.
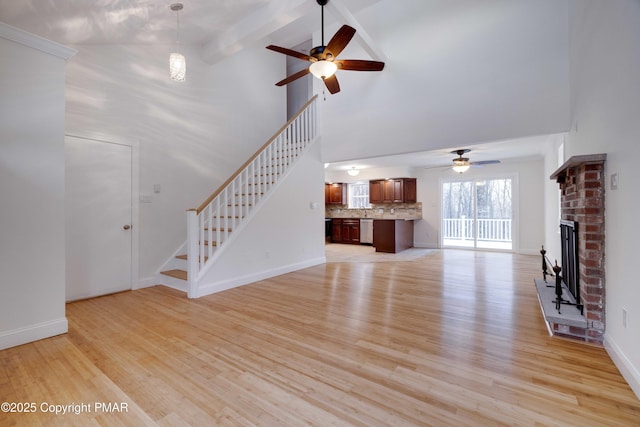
(582, 186)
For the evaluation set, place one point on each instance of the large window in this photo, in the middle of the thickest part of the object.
(477, 214)
(358, 196)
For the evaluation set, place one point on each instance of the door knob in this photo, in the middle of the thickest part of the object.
(126, 227)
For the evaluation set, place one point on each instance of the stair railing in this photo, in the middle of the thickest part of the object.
(209, 226)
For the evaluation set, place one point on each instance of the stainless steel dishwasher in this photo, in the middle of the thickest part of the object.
(366, 231)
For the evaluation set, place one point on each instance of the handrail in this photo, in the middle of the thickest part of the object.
(222, 216)
(253, 157)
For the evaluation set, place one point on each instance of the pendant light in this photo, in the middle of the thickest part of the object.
(177, 63)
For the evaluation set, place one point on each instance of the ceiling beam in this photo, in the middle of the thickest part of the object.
(343, 14)
(256, 26)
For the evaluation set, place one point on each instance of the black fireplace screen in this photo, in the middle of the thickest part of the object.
(570, 272)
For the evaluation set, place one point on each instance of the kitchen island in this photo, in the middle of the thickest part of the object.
(392, 235)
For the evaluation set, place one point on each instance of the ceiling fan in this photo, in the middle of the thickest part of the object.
(462, 164)
(323, 58)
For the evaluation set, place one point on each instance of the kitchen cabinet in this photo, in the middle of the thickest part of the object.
(395, 190)
(345, 230)
(335, 194)
(336, 230)
(376, 191)
(392, 235)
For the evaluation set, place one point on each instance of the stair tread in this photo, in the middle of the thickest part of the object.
(184, 257)
(178, 274)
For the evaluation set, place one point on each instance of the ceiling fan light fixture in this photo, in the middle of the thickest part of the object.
(461, 165)
(323, 69)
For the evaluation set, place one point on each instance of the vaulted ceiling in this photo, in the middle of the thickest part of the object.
(218, 26)
(421, 36)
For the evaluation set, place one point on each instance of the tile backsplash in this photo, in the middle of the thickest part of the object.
(383, 211)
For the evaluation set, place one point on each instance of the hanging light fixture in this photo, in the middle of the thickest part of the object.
(177, 63)
(322, 68)
(461, 164)
(353, 171)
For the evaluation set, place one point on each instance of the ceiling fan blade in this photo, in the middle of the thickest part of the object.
(290, 52)
(293, 77)
(485, 162)
(437, 167)
(332, 84)
(340, 40)
(359, 65)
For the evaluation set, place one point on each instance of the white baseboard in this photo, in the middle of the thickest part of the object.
(624, 365)
(522, 251)
(32, 333)
(425, 245)
(211, 288)
(147, 282)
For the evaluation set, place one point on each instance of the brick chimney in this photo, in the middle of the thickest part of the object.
(582, 184)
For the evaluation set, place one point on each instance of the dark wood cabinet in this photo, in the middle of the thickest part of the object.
(392, 235)
(395, 190)
(335, 194)
(345, 230)
(336, 230)
(350, 231)
(376, 191)
(410, 190)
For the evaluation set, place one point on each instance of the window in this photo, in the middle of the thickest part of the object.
(358, 196)
(477, 214)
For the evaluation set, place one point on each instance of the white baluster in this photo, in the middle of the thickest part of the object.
(192, 250)
(201, 245)
(218, 220)
(208, 221)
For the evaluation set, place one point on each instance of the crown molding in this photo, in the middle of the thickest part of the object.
(36, 42)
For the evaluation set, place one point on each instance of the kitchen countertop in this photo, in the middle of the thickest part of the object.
(403, 212)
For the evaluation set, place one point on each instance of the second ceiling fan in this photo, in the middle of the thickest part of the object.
(462, 164)
(323, 58)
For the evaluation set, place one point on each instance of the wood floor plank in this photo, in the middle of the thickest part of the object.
(453, 338)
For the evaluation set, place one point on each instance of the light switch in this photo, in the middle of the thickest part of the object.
(157, 188)
(614, 181)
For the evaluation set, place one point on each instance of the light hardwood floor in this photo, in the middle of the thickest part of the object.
(454, 338)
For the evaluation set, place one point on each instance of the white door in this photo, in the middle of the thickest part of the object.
(98, 217)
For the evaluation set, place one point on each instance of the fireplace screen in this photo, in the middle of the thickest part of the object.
(570, 272)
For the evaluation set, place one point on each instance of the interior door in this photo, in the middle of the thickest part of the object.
(98, 218)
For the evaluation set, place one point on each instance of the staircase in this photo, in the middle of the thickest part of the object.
(224, 214)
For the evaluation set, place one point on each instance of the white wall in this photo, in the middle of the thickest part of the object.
(32, 254)
(192, 136)
(605, 101)
(552, 200)
(457, 73)
(529, 204)
(286, 234)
